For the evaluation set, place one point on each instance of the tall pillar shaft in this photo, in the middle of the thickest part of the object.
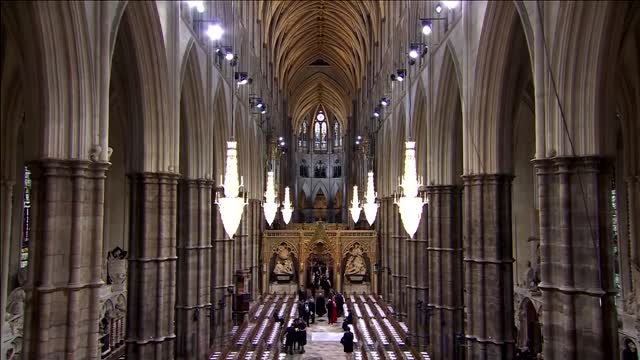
(576, 267)
(152, 267)
(193, 298)
(65, 277)
(6, 212)
(445, 271)
(417, 282)
(488, 266)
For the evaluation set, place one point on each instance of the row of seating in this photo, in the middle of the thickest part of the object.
(356, 308)
(362, 327)
(369, 312)
(258, 335)
(380, 311)
(393, 332)
(381, 335)
(245, 334)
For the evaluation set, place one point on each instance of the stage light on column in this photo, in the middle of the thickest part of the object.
(214, 32)
(199, 5)
(385, 101)
(414, 52)
(451, 4)
(376, 112)
(426, 27)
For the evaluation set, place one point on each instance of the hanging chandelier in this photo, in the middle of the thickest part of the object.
(355, 205)
(410, 203)
(370, 206)
(270, 206)
(231, 205)
(287, 209)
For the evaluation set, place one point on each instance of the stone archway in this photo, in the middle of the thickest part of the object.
(530, 334)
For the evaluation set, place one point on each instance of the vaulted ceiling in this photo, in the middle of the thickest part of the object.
(320, 51)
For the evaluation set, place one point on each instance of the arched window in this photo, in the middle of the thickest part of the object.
(320, 133)
(337, 136)
(303, 135)
(337, 169)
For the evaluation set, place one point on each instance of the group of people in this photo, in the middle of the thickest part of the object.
(332, 305)
(296, 336)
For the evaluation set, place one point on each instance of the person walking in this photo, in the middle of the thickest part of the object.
(331, 307)
(312, 310)
(347, 343)
(290, 337)
(339, 304)
(320, 305)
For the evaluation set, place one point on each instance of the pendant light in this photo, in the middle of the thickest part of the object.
(287, 209)
(355, 205)
(270, 206)
(232, 203)
(370, 206)
(410, 203)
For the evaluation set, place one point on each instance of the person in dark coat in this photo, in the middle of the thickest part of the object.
(320, 306)
(312, 310)
(349, 319)
(630, 351)
(347, 343)
(290, 338)
(331, 307)
(305, 313)
(301, 335)
(339, 303)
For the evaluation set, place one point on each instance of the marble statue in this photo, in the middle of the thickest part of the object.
(356, 264)
(284, 264)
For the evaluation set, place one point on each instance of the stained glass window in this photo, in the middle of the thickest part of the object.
(320, 133)
(337, 136)
(302, 136)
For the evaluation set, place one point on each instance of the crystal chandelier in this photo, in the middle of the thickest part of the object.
(355, 205)
(231, 205)
(370, 207)
(287, 209)
(270, 206)
(410, 203)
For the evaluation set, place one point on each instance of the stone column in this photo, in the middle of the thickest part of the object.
(6, 212)
(445, 271)
(152, 266)
(417, 287)
(193, 298)
(65, 277)
(488, 267)
(219, 262)
(385, 251)
(576, 266)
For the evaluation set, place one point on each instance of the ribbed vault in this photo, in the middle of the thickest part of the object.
(319, 50)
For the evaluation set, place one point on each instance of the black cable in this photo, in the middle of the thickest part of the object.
(573, 151)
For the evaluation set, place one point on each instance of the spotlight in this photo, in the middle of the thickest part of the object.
(214, 32)
(229, 56)
(413, 52)
(426, 27)
(199, 5)
(357, 142)
(385, 101)
(376, 112)
(412, 62)
(259, 103)
(359, 137)
(242, 79)
(438, 8)
(401, 74)
(280, 138)
(451, 4)
(281, 143)
(264, 109)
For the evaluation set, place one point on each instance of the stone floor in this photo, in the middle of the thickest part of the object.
(323, 342)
